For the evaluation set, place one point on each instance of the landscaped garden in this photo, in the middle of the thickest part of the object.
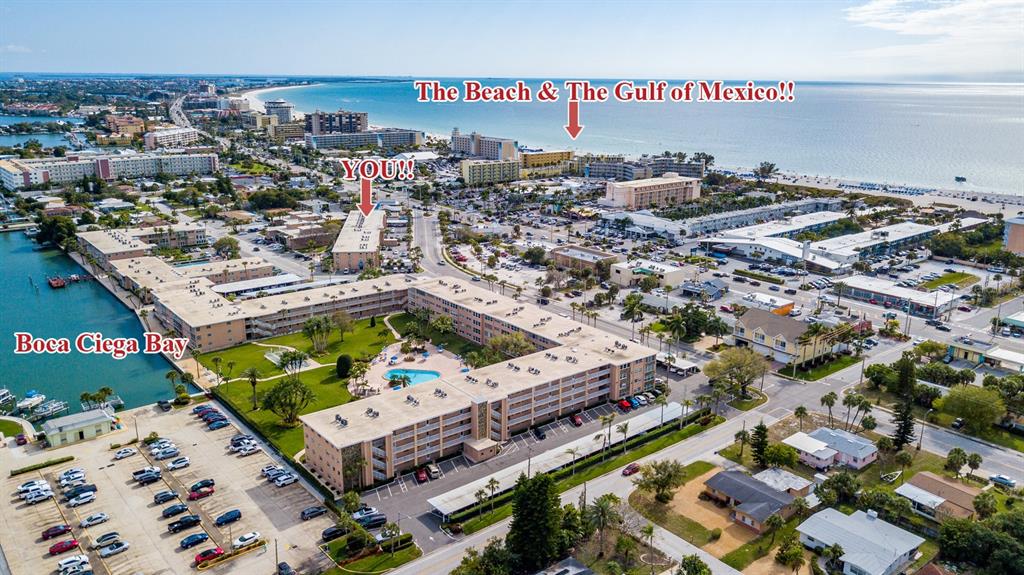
(839, 363)
(407, 323)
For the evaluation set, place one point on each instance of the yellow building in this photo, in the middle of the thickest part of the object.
(482, 172)
(77, 427)
(289, 131)
(114, 139)
(544, 158)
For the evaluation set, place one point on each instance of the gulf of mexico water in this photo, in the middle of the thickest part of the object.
(910, 134)
(80, 307)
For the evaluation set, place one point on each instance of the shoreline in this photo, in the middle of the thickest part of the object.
(255, 103)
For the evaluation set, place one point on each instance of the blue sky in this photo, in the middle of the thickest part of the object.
(851, 40)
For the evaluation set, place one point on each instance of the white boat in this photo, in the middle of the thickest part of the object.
(6, 396)
(48, 409)
(32, 399)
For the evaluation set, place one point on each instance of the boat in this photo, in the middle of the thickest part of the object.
(48, 409)
(960, 179)
(32, 232)
(7, 400)
(56, 282)
(31, 400)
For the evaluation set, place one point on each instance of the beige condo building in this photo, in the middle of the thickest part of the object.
(358, 244)
(668, 189)
(482, 172)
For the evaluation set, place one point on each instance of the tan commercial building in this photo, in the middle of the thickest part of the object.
(358, 244)
(666, 190)
(77, 427)
(486, 147)
(301, 230)
(114, 139)
(579, 257)
(1013, 236)
(483, 172)
(544, 158)
(125, 125)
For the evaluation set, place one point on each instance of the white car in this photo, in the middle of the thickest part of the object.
(38, 496)
(179, 463)
(82, 499)
(242, 445)
(77, 570)
(73, 561)
(68, 479)
(246, 540)
(286, 479)
(918, 340)
(364, 512)
(248, 450)
(94, 519)
(167, 454)
(126, 452)
(268, 468)
(114, 549)
(71, 471)
(34, 483)
(156, 450)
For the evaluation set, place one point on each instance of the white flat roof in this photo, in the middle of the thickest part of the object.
(803, 442)
(852, 243)
(785, 226)
(766, 300)
(244, 285)
(884, 286)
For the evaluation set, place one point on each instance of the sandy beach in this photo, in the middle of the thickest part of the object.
(256, 96)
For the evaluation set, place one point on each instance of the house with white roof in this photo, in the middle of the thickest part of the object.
(870, 545)
(825, 447)
(812, 452)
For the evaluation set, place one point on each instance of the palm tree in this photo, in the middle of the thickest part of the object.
(832, 554)
(662, 401)
(492, 486)
(217, 360)
(774, 523)
(252, 374)
(607, 420)
(603, 513)
(850, 401)
(574, 452)
(829, 400)
(172, 376)
(632, 308)
(742, 437)
(647, 531)
(863, 408)
(195, 355)
(718, 327)
(676, 325)
(973, 463)
(623, 429)
(800, 506)
(687, 404)
(717, 393)
(480, 495)
(800, 412)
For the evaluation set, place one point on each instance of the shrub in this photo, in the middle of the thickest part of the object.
(716, 534)
(343, 365)
(42, 465)
(153, 436)
(182, 399)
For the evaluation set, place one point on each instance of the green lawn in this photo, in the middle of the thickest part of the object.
(381, 561)
(329, 390)
(403, 323)
(10, 428)
(363, 341)
(663, 515)
(815, 373)
(757, 548)
(748, 404)
(252, 168)
(959, 278)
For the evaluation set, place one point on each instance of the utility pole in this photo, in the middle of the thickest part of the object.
(276, 558)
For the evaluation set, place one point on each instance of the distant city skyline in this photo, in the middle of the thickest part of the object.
(859, 40)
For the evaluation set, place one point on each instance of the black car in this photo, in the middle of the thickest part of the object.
(332, 533)
(148, 478)
(285, 569)
(790, 291)
(957, 423)
(78, 490)
(933, 322)
(311, 512)
(372, 521)
(943, 327)
(176, 509)
(164, 497)
(539, 434)
(201, 484)
(228, 517)
(183, 523)
(164, 404)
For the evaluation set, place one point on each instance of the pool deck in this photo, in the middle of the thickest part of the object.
(443, 363)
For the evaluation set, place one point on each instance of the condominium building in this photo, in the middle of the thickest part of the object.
(280, 108)
(483, 172)
(171, 137)
(281, 132)
(618, 168)
(1013, 235)
(358, 244)
(258, 120)
(544, 158)
(486, 147)
(125, 124)
(105, 246)
(18, 173)
(379, 138)
(662, 164)
(114, 139)
(141, 275)
(666, 190)
(342, 121)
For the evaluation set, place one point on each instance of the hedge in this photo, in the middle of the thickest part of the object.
(404, 540)
(42, 465)
(762, 277)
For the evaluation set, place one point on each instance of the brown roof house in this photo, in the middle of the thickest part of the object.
(752, 501)
(938, 498)
(779, 337)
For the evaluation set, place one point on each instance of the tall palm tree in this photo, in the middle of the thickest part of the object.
(717, 393)
(829, 400)
(632, 308)
(662, 401)
(742, 437)
(676, 325)
(603, 513)
(687, 404)
(850, 401)
(492, 486)
(252, 374)
(647, 531)
(574, 452)
(607, 420)
(800, 412)
(623, 429)
(172, 376)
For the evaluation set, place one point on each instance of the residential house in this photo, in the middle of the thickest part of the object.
(938, 498)
(870, 545)
(812, 452)
(786, 481)
(778, 337)
(851, 450)
(752, 501)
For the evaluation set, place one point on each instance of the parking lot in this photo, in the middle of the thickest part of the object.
(272, 511)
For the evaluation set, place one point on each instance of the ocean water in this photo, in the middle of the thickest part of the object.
(911, 134)
(80, 307)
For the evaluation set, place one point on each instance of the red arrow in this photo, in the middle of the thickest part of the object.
(365, 189)
(574, 127)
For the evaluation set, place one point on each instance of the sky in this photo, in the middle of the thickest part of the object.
(856, 40)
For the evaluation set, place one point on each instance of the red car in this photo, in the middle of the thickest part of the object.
(624, 405)
(56, 531)
(209, 554)
(421, 475)
(576, 420)
(58, 548)
(887, 304)
(631, 469)
(873, 301)
(965, 308)
(20, 439)
(725, 308)
(201, 493)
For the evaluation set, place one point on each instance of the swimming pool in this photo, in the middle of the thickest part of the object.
(415, 376)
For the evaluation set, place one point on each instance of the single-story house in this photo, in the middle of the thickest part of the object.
(752, 501)
(786, 481)
(76, 427)
(853, 450)
(812, 452)
(938, 498)
(870, 545)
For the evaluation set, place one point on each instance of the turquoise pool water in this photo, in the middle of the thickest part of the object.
(416, 376)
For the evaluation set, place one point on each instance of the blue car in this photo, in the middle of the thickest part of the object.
(228, 517)
(193, 540)
(1003, 481)
(218, 424)
(201, 407)
(634, 402)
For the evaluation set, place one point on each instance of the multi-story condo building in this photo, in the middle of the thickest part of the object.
(17, 173)
(142, 275)
(483, 172)
(1013, 235)
(114, 139)
(486, 147)
(125, 124)
(666, 190)
(380, 138)
(544, 158)
(342, 121)
(258, 120)
(171, 137)
(290, 131)
(358, 244)
(280, 108)
(108, 245)
(662, 164)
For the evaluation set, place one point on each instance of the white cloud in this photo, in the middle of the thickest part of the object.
(15, 49)
(945, 36)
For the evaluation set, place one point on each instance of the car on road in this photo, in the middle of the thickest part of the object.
(965, 308)
(286, 479)
(94, 519)
(106, 539)
(82, 499)
(631, 469)
(164, 496)
(193, 540)
(246, 540)
(943, 327)
(219, 424)
(201, 484)
(179, 463)
(183, 523)
(918, 340)
(312, 512)
(114, 549)
(208, 554)
(333, 532)
(1003, 481)
(201, 493)
(125, 452)
(63, 546)
(228, 517)
(576, 420)
(421, 475)
(72, 562)
(56, 531)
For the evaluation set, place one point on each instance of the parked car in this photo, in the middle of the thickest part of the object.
(624, 405)
(285, 569)
(1003, 481)
(179, 463)
(149, 478)
(125, 452)
(28, 485)
(208, 554)
(432, 470)
(200, 494)
(312, 512)
(228, 517)
(164, 496)
(193, 540)
(164, 405)
(114, 549)
(269, 468)
(364, 511)
(183, 523)
(576, 420)
(248, 450)
(106, 539)
(72, 562)
(286, 479)
(332, 533)
(56, 531)
(539, 434)
(631, 469)
(94, 519)
(201, 484)
(145, 470)
(421, 475)
(63, 546)
(82, 499)
(176, 509)
(76, 491)
(246, 540)
(219, 424)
